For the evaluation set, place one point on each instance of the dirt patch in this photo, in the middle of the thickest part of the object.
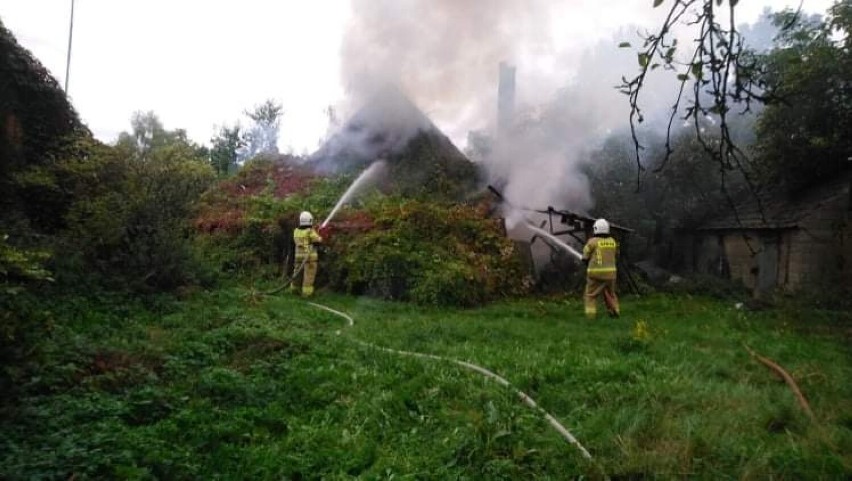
(116, 370)
(250, 351)
(106, 362)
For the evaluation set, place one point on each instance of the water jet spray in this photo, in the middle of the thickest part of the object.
(555, 241)
(366, 178)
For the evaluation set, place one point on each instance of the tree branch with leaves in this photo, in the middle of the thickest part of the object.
(715, 75)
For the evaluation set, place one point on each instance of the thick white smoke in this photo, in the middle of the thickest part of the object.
(383, 125)
(444, 54)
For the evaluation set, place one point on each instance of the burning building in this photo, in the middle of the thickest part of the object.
(421, 159)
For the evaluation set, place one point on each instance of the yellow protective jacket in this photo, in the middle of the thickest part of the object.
(305, 238)
(601, 253)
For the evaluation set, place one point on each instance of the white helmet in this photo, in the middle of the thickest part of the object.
(601, 226)
(306, 219)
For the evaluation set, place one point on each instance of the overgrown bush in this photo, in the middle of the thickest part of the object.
(247, 221)
(428, 253)
(22, 319)
(130, 217)
(37, 123)
(19, 264)
(382, 245)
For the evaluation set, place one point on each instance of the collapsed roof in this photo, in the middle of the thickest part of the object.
(421, 159)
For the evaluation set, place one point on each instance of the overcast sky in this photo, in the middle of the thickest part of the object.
(199, 63)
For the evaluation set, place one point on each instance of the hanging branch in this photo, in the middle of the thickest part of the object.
(653, 45)
(721, 71)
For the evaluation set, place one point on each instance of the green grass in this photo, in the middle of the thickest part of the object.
(226, 385)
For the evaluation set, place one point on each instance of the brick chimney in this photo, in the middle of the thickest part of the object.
(505, 99)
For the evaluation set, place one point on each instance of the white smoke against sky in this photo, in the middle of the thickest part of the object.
(444, 54)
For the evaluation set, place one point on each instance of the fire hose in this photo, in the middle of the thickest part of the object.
(296, 273)
(289, 281)
(473, 367)
(524, 397)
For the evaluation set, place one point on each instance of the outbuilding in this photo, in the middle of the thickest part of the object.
(771, 240)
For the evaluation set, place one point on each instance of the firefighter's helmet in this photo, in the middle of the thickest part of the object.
(306, 219)
(601, 227)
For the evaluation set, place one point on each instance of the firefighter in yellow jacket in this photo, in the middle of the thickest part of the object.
(600, 255)
(305, 266)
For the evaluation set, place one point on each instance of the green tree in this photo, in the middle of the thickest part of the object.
(678, 196)
(804, 138)
(803, 82)
(37, 126)
(716, 73)
(147, 134)
(262, 135)
(132, 203)
(225, 150)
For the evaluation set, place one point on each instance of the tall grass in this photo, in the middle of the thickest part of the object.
(230, 385)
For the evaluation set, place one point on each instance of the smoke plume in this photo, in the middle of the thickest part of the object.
(444, 54)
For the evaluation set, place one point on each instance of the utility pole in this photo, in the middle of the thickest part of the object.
(70, 37)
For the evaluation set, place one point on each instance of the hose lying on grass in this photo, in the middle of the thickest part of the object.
(473, 367)
(290, 281)
(787, 378)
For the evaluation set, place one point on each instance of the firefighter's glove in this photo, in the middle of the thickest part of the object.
(324, 232)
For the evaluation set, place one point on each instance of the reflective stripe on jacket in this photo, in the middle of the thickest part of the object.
(601, 253)
(305, 238)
